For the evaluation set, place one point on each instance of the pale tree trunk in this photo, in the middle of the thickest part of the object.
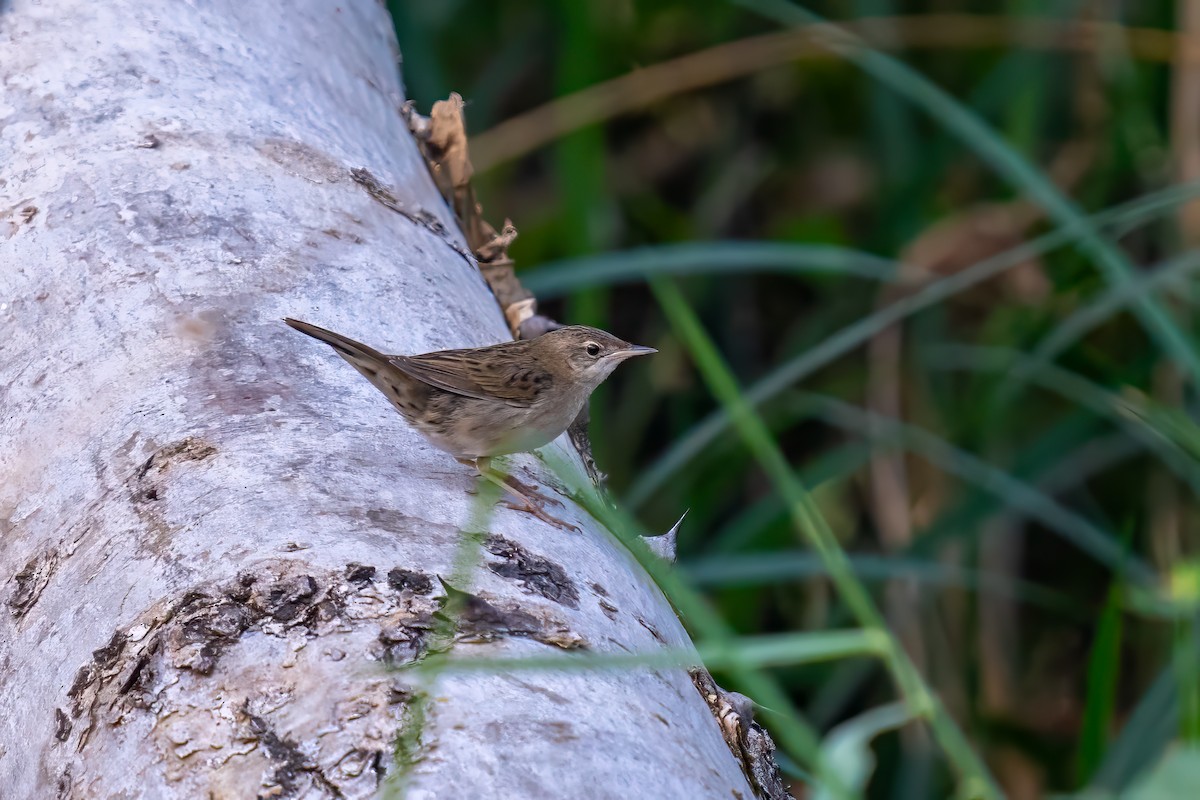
(216, 535)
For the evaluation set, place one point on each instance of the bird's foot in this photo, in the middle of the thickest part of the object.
(523, 493)
(521, 503)
(529, 491)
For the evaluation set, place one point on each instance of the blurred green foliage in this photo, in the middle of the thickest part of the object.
(958, 292)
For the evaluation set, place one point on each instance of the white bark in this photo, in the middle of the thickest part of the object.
(193, 496)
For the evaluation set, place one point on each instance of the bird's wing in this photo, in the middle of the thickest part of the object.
(465, 373)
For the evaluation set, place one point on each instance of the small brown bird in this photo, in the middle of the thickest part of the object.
(482, 402)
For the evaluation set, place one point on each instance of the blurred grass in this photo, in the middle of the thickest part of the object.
(972, 255)
(815, 530)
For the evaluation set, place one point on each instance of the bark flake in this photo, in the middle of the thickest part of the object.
(481, 619)
(535, 574)
(30, 581)
(403, 580)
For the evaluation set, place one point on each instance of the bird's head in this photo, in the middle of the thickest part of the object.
(587, 355)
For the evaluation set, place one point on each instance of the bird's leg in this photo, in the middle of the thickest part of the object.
(509, 483)
(523, 492)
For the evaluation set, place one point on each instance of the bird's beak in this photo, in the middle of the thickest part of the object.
(635, 350)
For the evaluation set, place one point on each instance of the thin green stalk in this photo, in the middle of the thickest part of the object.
(991, 147)
(1168, 275)
(1186, 660)
(757, 651)
(795, 734)
(441, 638)
(1102, 675)
(1098, 543)
(557, 278)
(973, 777)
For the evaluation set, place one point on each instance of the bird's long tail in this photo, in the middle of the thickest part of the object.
(374, 365)
(347, 347)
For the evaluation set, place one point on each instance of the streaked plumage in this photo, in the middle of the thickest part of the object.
(490, 401)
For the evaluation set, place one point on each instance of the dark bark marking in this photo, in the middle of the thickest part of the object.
(560, 731)
(359, 574)
(419, 217)
(62, 725)
(83, 679)
(393, 521)
(31, 581)
(291, 765)
(549, 694)
(402, 579)
(106, 656)
(481, 620)
(146, 489)
(534, 573)
(302, 159)
(653, 631)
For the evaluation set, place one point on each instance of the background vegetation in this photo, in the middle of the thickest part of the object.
(951, 271)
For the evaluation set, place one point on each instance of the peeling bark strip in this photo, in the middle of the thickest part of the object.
(213, 543)
(443, 140)
(749, 743)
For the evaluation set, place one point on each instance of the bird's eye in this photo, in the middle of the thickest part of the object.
(592, 349)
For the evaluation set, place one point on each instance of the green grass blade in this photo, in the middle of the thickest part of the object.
(1101, 689)
(1145, 736)
(1173, 425)
(756, 652)
(687, 447)
(972, 774)
(557, 278)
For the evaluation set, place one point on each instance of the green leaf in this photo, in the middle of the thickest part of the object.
(847, 747)
(1103, 671)
(1177, 776)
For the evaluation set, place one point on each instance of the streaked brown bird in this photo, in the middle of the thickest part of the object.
(482, 402)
